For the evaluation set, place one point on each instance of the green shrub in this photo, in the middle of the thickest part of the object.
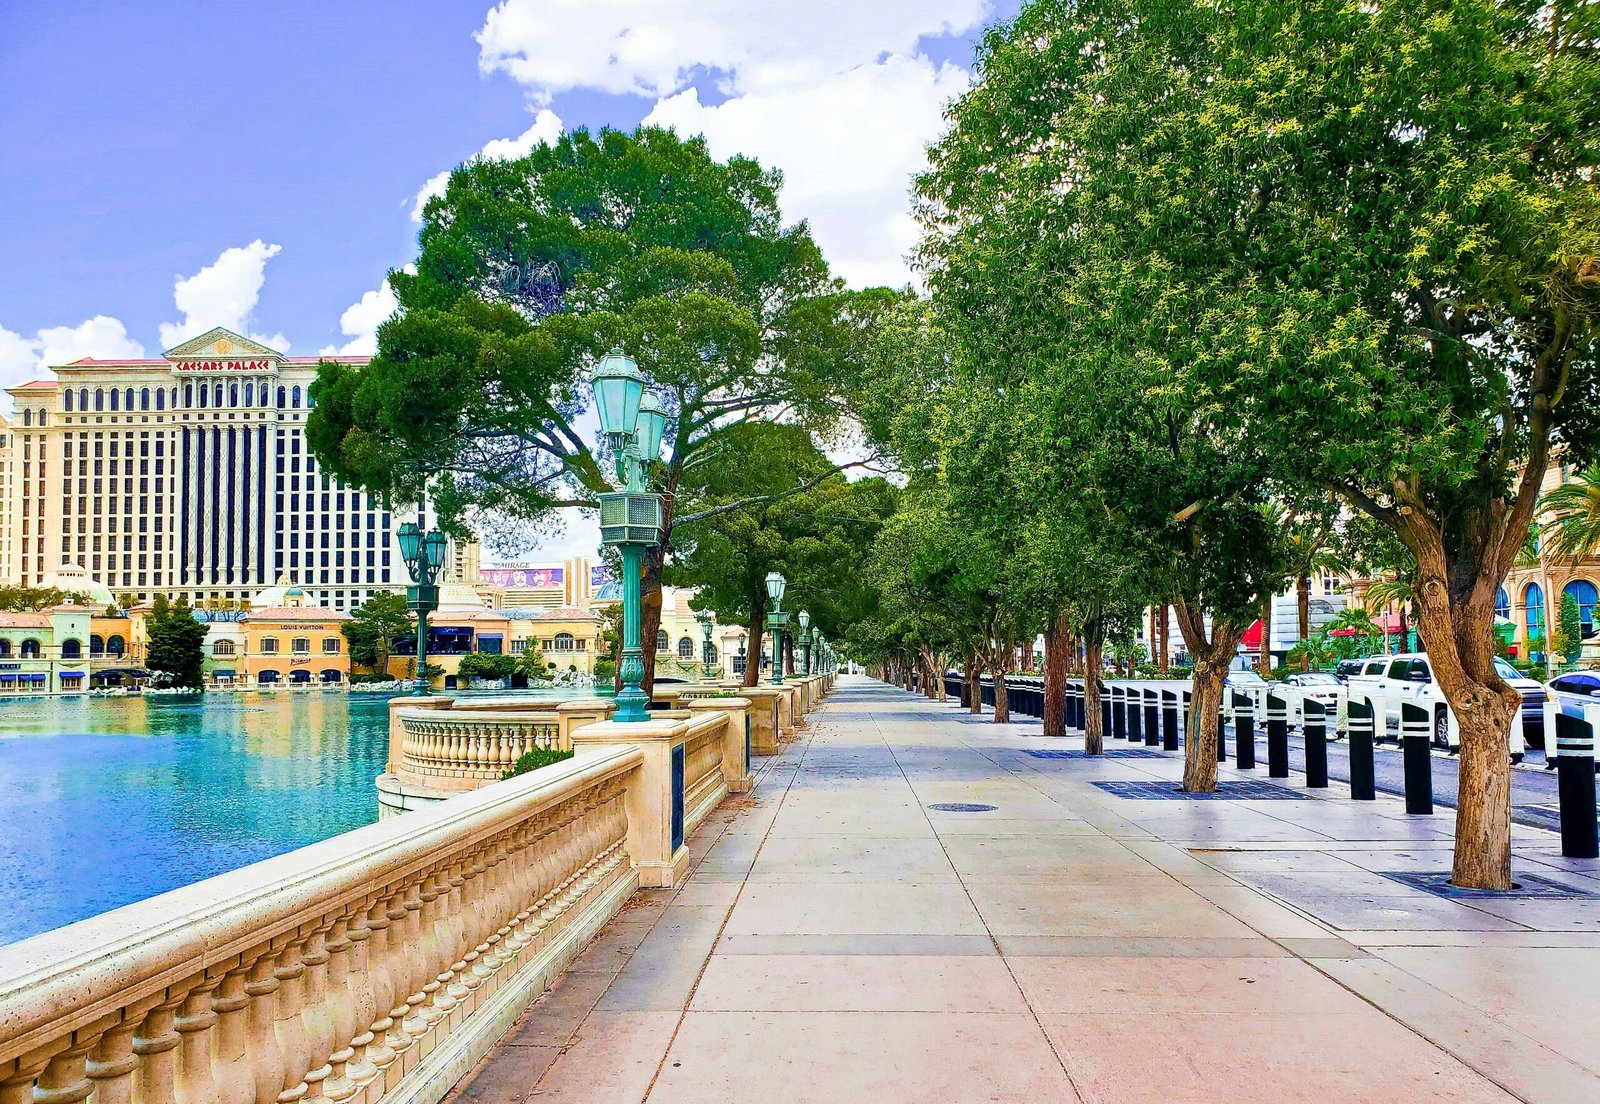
(533, 760)
(358, 678)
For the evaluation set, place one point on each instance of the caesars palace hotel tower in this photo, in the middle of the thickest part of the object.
(187, 475)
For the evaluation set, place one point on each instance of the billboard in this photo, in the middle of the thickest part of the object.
(599, 576)
(542, 577)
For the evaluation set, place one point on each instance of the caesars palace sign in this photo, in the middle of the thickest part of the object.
(257, 365)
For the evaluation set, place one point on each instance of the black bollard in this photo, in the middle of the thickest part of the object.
(1169, 720)
(1105, 716)
(1222, 726)
(1359, 726)
(1152, 723)
(1314, 726)
(1135, 707)
(1580, 832)
(1414, 733)
(1277, 737)
(1244, 732)
(1071, 716)
(1119, 716)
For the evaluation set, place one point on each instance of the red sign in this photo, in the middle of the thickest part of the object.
(223, 365)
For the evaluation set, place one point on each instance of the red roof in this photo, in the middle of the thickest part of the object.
(1252, 635)
(35, 385)
(24, 621)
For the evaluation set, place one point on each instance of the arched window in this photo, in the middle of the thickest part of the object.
(1502, 604)
(283, 397)
(71, 649)
(222, 648)
(294, 397)
(116, 399)
(99, 399)
(562, 643)
(5, 648)
(216, 399)
(83, 398)
(30, 649)
(44, 416)
(205, 393)
(686, 648)
(249, 394)
(662, 643)
(115, 645)
(144, 398)
(27, 417)
(97, 646)
(161, 398)
(1584, 593)
(1533, 603)
(66, 399)
(127, 399)
(233, 395)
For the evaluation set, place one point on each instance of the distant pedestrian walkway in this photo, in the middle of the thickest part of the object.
(918, 906)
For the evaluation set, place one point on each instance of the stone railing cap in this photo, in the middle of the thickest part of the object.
(587, 705)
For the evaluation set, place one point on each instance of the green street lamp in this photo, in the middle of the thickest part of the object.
(423, 554)
(704, 617)
(776, 620)
(632, 423)
(815, 649)
(805, 641)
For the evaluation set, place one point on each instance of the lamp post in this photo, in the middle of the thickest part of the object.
(704, 617)
(776, 620)
(816, 649)
(805, 641)
(631, 425)
(423, 554)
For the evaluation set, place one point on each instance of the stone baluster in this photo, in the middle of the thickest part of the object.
(315, 1015)
(400, 971)
(340, 1001)
(266, 1057)
(478, 927)
(112, 1062)
(233, 1078)
(65, 1079)
(295, 1048)
(363, 1007)
(438, 950)
(380, 976)
(194, 1022)
(156, 1043)
(463, 937)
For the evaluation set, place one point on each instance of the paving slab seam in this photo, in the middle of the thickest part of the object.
(1391, 1016)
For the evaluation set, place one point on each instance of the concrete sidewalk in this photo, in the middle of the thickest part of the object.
(1089, 937)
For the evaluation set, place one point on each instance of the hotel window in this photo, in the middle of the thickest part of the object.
(330, 645)
(144, 398)
(269, 645)
(66, 399)
(160, 399)
(83, 398)
(116, 399)
(127, 400)
(188, 394)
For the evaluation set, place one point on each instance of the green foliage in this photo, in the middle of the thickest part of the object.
(175, 648)
(533, 760)
(26, 599)
(372, 628)
(532, 662)
(481, 665)
(1567, 641)
(363, 678)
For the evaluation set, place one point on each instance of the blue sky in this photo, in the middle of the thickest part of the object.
(279, 147)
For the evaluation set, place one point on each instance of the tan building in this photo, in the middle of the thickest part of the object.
(1531, 596)
(187, 474)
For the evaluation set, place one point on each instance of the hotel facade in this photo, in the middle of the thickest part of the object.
(189, 475)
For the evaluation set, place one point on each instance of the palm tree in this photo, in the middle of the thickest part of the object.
(1571, 530)
(1311, 552)
(1392, 592)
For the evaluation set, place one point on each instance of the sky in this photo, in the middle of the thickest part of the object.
(170, 166)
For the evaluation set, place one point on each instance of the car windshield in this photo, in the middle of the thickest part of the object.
(1246, 678)
(1316, 679)
(1506, 671)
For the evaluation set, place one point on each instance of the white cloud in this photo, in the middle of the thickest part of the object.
(224, 293)
(361, 319)
(546, 128)
(24, 358)
(835, 93)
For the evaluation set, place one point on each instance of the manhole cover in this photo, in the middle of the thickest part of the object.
(961, 807)
(1247, 790)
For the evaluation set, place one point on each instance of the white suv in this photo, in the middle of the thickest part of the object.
(1386, 682)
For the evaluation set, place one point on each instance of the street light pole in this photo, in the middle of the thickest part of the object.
(704, 617)
(423, 554)
(776, 621)
(805, 641)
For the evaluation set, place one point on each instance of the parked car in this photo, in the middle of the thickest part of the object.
(1251, 684)
(1392, 680)
(1574, 691)
(1319, 686)
(1347, 667)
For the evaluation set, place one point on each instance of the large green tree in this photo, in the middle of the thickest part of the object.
(175, 647)
(1361, 240)
(532, 268)
(373, 627)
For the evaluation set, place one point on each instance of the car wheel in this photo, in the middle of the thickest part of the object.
(1441, 730)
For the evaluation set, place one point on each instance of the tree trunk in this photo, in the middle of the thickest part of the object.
(758, 616)
(1302, 611)
(788, 659)
(649, 622)
(1164, 626)
(1211, 660)
(970, 672)
(1094, 733)
(1057, 642)
(1002, 706)
(1264, 657)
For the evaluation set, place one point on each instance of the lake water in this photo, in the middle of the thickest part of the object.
(106, 801)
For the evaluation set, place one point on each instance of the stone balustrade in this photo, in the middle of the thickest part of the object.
(439, 747)
(374, 966)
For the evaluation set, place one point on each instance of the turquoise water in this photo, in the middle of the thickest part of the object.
(106, 801)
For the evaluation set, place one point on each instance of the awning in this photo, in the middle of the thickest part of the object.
(1389, 623)
(222, 673)
(1252, 635)
(71, 676)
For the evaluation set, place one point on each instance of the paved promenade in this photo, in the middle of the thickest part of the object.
(843, 938)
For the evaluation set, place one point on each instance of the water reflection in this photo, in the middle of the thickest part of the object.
(106, 801)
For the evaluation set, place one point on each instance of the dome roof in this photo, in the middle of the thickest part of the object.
(280, 594)
(73, 579)
(454, 595)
